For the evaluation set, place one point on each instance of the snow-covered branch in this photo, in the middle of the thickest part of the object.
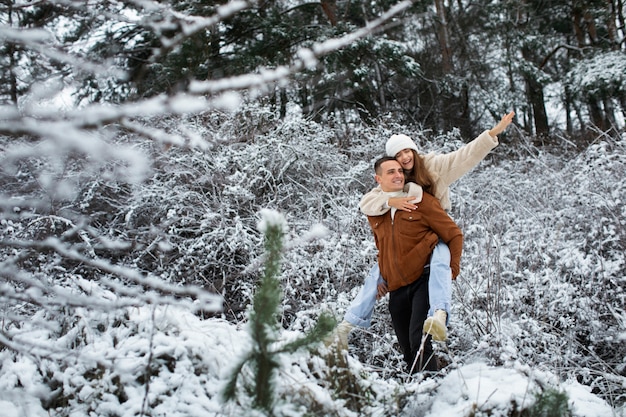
(306, 58)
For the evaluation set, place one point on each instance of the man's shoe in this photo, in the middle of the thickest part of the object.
(340, 335)
(436, 326)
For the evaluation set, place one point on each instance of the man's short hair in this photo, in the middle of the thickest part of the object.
(380, 161)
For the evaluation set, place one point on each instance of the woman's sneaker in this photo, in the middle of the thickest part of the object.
(339, 335)
(436, 326)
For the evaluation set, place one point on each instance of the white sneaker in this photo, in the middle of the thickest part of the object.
(436, 326)
(340, 335)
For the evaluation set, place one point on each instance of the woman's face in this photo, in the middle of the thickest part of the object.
(405, 157)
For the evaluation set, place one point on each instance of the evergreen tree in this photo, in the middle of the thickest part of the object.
(550, 403)
(265, 328)
(22, 64)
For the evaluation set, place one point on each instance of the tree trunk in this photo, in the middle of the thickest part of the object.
(568, 111)
(609, 113)
(534, 91)
(380, 88)
(283, 103)
(216, 70)
(330, 10)
(622, 102)
(12, 78)
(591, 27)
(611, 26)
(577, 17)
(12, 61)
(619, 10)
(443, 37)
(595, 112)
(579, 115)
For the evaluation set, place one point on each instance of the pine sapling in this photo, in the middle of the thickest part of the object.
(264, 324)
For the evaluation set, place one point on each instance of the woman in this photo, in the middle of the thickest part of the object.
(434, 173)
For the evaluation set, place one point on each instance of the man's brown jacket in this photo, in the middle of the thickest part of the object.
(406, 242)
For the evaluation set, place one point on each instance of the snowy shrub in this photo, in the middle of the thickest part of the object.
(601, 76)
(544, 261)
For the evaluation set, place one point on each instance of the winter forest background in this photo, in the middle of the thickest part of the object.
(145, 143)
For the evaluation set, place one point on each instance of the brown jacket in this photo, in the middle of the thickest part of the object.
(406, 242)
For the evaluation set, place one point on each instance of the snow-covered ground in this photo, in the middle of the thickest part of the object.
(191, 359)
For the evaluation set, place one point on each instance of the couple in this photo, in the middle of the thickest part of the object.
(418, 273)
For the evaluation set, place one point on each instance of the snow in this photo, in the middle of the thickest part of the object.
(584, 403)
(190, 387)
(478, 385)
(272, 218)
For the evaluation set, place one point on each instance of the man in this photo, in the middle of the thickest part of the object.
(405, 241)
(444, 170)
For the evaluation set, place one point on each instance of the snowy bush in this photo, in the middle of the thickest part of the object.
(544, 262)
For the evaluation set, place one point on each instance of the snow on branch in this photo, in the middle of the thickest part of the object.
(42, 42)
(195, 297)
(307, 58)
(73, 123)
(200, 23)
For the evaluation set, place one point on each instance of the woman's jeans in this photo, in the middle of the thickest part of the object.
(439, 289)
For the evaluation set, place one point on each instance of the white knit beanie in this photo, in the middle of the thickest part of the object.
(396, 143)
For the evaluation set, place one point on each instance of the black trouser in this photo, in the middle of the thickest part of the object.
(409, 306)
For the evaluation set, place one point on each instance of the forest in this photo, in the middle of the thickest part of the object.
(149, 149)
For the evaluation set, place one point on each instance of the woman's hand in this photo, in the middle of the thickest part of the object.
(382, 290)
(502, 124)
(402, 203)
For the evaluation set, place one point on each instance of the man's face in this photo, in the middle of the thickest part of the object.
(391, 176)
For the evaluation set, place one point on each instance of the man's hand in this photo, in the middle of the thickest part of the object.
(382, 290)
(502, 124)
(402, 203)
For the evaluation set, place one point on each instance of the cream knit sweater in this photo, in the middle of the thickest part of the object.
(444, 168)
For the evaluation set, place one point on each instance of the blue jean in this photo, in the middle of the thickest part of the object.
(439, 289)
